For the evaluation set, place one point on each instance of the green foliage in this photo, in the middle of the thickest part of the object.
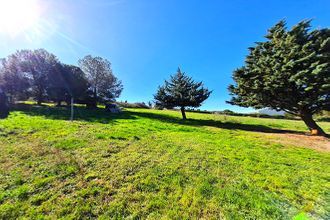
(105, 86)
(38, 74)
(290, 71)
(12, 80)
(38, 65)
(149, 164)
(68, 81)
(181, 91)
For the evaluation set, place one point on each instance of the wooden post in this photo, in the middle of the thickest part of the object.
(72, 103)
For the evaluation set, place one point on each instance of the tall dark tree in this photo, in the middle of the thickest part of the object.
(104, 85)
(38, 65)
(290, 71)
(26, 72)
(13, 81)
(67, 82)
(4, 109)
(181, 91)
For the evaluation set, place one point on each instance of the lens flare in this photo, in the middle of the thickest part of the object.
(17, 16)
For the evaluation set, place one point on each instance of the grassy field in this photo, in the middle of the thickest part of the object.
(148, 164)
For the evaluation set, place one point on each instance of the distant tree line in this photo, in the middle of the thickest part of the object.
(39, 75)
(134, 105)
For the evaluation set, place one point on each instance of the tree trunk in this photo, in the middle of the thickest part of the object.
(39, 94)
(183, 113)
(311, 124)
(4, 108)
(59, 103)
(95, 97)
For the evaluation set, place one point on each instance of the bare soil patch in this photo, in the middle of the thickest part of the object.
(300, 140)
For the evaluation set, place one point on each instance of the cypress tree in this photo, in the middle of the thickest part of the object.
(290, 71)
(181, 91)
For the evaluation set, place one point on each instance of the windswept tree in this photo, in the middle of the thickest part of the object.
(290, 71)
(181, 91)
(104, 85)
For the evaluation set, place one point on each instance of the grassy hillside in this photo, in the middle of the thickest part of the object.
(150, 164)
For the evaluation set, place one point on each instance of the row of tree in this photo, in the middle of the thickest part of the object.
(39, 74)
(290, 71)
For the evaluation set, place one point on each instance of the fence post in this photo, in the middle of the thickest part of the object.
(72, 103)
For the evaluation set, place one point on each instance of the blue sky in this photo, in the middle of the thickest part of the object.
(146, 40)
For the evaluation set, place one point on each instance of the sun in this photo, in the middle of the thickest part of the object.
(17, 16)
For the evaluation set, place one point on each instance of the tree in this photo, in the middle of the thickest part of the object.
(4, 109)
(38, 64)
(290, 71)
(13, 81)
(103, 84)
(26, 72)
(181, 91)
(150, 104)
(66, 83)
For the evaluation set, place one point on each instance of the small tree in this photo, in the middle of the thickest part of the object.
(181, 91)
(104, 85)
(290, 72)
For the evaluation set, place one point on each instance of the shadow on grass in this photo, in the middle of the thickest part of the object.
(100, 116)
(214, 123)
(63, 113)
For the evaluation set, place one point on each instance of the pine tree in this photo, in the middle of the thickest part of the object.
(290, 71)
(181, 91)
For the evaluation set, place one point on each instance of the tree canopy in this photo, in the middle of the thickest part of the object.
(25, 73)
(104, 85)
(37, 65)
(13, 81)
(290, 71)
(40, 75)
(67, 82)
(181, 91)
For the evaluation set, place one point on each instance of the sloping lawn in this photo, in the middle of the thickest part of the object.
(148, 164)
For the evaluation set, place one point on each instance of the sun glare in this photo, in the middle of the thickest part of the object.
(17, 16)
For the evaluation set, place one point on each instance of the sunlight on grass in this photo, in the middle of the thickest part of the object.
(150, 164)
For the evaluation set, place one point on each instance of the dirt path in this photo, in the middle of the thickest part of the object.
(300, 140)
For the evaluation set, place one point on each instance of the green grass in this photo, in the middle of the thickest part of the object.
(148, 164)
